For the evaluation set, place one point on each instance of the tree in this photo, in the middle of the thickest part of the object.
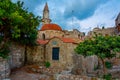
(17, 24)
(101, 46)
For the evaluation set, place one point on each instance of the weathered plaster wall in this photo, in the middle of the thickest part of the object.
(35, 55)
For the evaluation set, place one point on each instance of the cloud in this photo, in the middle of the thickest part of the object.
(86, 14)
(82, 9)
(105, 15)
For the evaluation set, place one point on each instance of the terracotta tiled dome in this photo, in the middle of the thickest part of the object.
(51, 27)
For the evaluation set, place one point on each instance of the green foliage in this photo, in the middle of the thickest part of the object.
(47, 64)
(108, 64)
(1, 39)
(4, 53)
(103, 47)
(107, 77)
(17, 25)
(4, 50)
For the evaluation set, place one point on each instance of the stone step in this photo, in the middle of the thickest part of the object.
(6, 79)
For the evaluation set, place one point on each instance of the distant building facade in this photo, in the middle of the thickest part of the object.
(117, 23)
(106, 31)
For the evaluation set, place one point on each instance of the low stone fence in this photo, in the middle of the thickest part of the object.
(4, 69)
(74, 77)
(42, 69)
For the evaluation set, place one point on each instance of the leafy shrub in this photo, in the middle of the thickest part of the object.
(47, 64)
(107, 77)
(108, 64)
(4, 53)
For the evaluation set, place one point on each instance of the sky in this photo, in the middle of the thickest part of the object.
(83, 15)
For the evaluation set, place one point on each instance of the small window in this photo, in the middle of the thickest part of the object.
(55, 53)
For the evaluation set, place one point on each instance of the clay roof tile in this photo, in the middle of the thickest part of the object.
(51, 27)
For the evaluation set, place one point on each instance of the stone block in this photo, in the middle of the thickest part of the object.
(4, 69)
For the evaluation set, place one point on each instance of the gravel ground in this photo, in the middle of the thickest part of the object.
(22, 75)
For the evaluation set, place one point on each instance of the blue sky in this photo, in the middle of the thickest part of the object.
(83, 15)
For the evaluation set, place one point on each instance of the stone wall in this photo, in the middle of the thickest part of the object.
(16, 55)
(73, 34)
(117, 21)
(4, 68)
(65, 33)
(50, 34)
(117, 24)
(35, 55)
(104, 32)
(75, 77)
(91, 62)
(84, 65)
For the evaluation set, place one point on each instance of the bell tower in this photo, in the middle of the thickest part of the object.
(46, 19)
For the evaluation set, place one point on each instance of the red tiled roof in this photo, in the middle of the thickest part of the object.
(65, 40)
(42, 41)
(51, 27)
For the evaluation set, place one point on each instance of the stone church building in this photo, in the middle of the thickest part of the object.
(54, 44)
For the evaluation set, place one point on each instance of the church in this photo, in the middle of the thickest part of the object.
(54, 44)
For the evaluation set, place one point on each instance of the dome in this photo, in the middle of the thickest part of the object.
(51, 27)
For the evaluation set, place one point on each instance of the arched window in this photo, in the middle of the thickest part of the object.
(43, 36)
